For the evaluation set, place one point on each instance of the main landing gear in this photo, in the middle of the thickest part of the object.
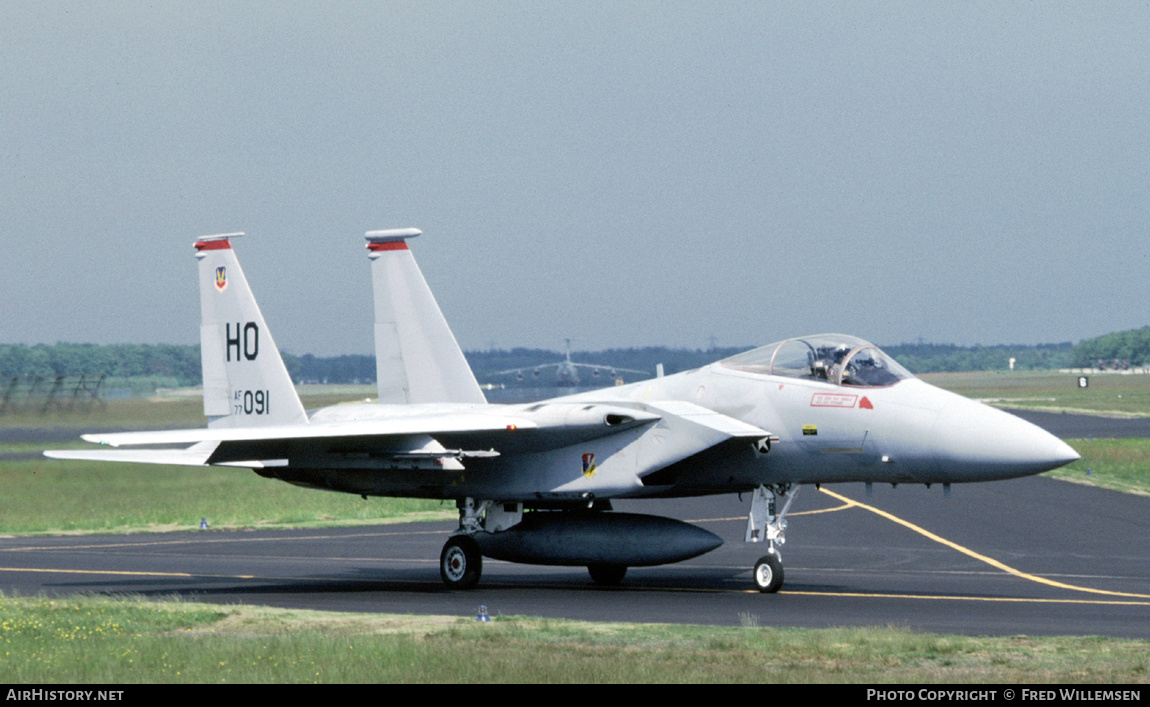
(764, 524)
(460, 563)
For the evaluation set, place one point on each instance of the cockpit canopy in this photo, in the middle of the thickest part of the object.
(832, 358)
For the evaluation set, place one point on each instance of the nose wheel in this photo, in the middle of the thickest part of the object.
(768, 574)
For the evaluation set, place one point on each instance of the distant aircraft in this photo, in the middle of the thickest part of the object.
(534, 482)
(567, 371)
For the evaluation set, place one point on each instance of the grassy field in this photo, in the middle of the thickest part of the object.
(93, 640)
(47, 496)
(1107, 394)
(166, 409)
(1119, 464)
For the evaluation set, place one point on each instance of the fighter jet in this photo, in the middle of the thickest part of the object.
(534, 482)
(567, 371)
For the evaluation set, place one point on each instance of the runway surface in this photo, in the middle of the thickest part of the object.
(1029, 556)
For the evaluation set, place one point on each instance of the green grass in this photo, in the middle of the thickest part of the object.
(1109, 394)
(128, 413)
(167, 409)
(96, 640)
(49, 496)
(1118, 464)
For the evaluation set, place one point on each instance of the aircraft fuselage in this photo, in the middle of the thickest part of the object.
(908, 432)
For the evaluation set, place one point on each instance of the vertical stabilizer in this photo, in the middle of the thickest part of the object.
(245, 381)
(416, 356)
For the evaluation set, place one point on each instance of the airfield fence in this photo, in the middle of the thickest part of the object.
(45, 394)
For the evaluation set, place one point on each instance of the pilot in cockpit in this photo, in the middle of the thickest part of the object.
(866, 369)
(828, 362)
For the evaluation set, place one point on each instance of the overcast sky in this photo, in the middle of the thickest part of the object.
(621, 173)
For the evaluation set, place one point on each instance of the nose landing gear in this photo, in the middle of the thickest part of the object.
(764, 524)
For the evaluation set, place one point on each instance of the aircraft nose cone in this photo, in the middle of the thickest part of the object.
(979, 442)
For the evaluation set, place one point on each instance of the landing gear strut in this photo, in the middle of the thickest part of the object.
(763, 523)
(461, 562)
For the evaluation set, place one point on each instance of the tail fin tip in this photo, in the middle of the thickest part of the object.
(220, 241)
(390, 239)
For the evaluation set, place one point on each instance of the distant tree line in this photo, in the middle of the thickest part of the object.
(180, 365)
(355, 368)
(949, 358)
(1116, 350)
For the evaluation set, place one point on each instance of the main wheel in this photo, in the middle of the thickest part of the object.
(607, 575)
(768, 574)
(460, 563)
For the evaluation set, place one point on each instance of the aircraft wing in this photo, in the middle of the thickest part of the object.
(414, 425)
(407, 441)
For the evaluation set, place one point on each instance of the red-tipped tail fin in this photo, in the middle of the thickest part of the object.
(245, 381)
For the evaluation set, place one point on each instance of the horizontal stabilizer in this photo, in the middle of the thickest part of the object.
(176, 457)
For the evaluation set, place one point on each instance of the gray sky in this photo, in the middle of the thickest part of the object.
(623, 173)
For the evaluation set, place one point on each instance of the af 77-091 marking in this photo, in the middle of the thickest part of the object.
(534, 482)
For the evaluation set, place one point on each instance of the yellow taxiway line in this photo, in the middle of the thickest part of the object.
(980, 557)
